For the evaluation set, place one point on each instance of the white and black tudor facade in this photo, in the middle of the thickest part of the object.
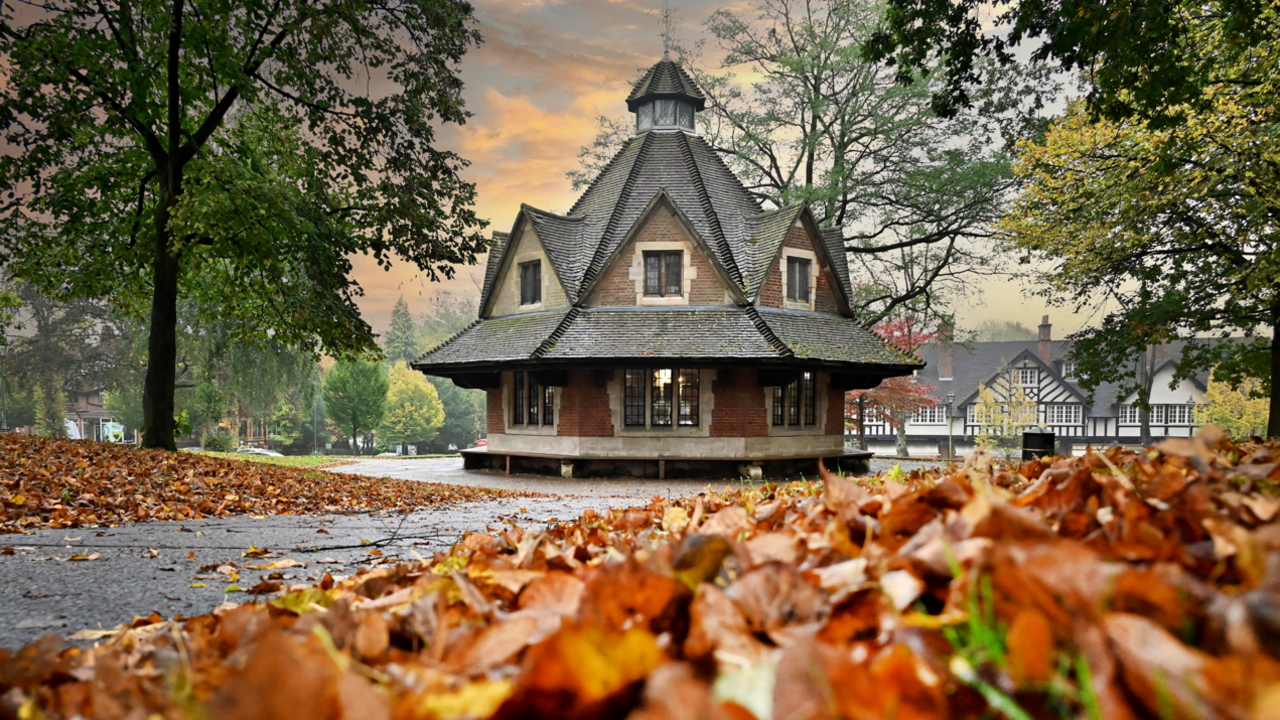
(666, 323)
(1040, 370)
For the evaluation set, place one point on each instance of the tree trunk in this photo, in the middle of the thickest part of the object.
(162, 344)
(862, 423)
(356, 448)
(902, 434)
(1273, 414)
(1146, 376)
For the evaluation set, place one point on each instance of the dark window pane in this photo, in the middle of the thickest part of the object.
(793, 403)
(688, 397)
(652, 273)
(809, 396)
(548, 406)
(517, 400)
(531, 282)
(798, 279)
(777, 405)
(535, 401)
(633, 401)
(671, 284)
(660, 414)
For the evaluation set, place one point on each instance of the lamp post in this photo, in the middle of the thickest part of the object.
(4, 386)
(951, 448)
(1191, 415)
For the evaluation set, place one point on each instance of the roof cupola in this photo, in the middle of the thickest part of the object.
(665, 99)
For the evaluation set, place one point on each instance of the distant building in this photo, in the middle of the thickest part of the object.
(1041, 370)
(667, 323)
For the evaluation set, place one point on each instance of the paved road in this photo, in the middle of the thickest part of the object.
(147, 567)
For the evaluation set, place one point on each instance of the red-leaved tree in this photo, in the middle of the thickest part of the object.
(895, 398)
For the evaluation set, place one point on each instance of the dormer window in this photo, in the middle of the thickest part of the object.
(663, 273)
(798, 279)
(531, 282)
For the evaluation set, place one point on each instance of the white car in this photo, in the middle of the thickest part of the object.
(258, 451)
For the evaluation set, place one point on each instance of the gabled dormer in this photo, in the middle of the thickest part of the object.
(529, 267)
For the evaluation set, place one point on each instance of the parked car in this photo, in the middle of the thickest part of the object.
(258, 451)
(484, 442)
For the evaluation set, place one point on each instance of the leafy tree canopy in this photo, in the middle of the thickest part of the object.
(401, 343)
(414, 412)
(1143, 58)
(234, 154)
(355, 395)
(1235, 410)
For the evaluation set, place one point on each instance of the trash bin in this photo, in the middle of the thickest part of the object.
(1036, 443)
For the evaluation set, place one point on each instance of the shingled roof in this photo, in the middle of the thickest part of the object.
(666, 79)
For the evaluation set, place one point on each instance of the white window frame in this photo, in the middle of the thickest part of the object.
(1024, 373)
(933, 415)
(1063, 414)
(1068, 369)
(812, 257)
(1128, 415)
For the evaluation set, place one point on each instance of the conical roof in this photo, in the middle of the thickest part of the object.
(666, 79)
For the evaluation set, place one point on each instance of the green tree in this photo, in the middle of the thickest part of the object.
(1143, 58)
(799, 112)
(1238, 410)
(1165, 233)
(401, 344)
(355, 396)
(51, 407)
(233, 153)
(414, 412)
(1002, 420)
(464, 415)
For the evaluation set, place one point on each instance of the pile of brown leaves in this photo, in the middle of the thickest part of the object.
(56, 483)
(1114, 585)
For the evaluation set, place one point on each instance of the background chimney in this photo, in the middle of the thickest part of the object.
(946, 358)
(1046, 341)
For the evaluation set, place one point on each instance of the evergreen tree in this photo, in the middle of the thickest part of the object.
(355, 395)
(401, 344)
(414, 412)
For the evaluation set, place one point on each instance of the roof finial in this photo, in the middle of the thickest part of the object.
(667, 38)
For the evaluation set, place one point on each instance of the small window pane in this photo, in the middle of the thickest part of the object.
(779, 416)
(685, 111)
(548, 405)
(531, 283)
(809, 397)
(535, 401)
(793, 402)
(644, 118)
(517, 400)
(666, 113)
(671, 283)
(688, 397)
(660, 413)
(633, 401)
(652, 274)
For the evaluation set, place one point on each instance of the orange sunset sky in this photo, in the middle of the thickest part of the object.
(546, 70)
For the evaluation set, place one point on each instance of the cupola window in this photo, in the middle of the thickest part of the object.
(644, 117)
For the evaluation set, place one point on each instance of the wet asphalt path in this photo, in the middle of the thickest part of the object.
(171, 567)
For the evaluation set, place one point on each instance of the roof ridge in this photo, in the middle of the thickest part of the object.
(548, 213)
(605, 170)
(551, 340)
(729, 171)
(722, 244)
(763, 328)
(450, 339)
(614, 218)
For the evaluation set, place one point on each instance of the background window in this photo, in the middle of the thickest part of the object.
(531, 282)
(660, 413)
(935, 415)
(688, 397)
(1028, 377)
(1068, 369)
(517, 400)
(1062, 414)
(798, 279)
(1157, 414)
(662, 273)
(633, 397)
(1129, 415)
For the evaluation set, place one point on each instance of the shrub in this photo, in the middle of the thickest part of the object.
(220, 441)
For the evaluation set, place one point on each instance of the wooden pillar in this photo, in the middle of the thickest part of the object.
(508, 464)
(662, 469)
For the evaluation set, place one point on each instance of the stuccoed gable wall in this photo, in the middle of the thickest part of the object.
(507, 296)
(771, 291)
(624, 283)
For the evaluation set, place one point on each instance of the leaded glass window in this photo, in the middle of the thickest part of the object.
(517, 399)
(548, 405)
(660, 397)
(808, 398)
(535, 401)
(644, 118)
(689, 389)
(665, 113)
(685, 112)
(793, 402)
(633, 397)
(798, 279)
(779, 416)
(663, 273)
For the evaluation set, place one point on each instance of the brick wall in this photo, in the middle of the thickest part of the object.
(771, 290)
(495, 424)
(739, 410)
(619, 287)
(835, 412)
(584, 407)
